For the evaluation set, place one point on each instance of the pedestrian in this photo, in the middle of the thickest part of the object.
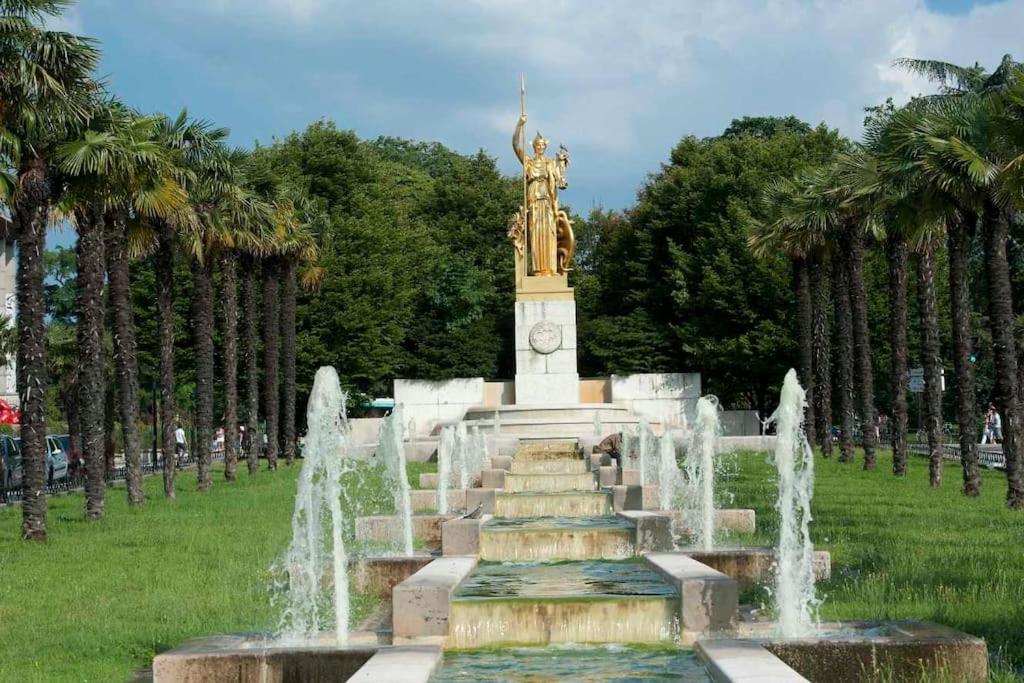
(997, 426)
(180, 444)
(987, 433)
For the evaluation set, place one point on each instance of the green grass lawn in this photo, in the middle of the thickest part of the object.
(901, 550)
(98, 600)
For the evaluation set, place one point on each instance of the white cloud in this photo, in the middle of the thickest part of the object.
(619, 83)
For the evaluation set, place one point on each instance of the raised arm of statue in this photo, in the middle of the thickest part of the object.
(517, 139)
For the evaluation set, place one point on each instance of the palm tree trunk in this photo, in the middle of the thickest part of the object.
(959, 238)
(202, 315)
(126, 362)
(250, 337)
(896, 248)
(862, 348)
(29, 215)
(803, 314)
(92, 397)
(931, 360)
(1001, 320)
(288, 304)
(271, 353)
(844, 355)
(229, 288)
(820, 342)
(165, 324)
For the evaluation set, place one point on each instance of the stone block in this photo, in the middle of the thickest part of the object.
(483, 498)
(608, 476)
(461, 536)
(655, 385)
(250, 660)
(428, 480)
(630, 477)
(891, 651)
(741, 520)
(400, 664)
(626, 497)
(744, 661)
(379, 575)
(492, 479)
(426, 501)
(562, 361)
(501, 462)
(547, 389)
(753, 566)
(421, 603)
(708, 598)
(388, 528)
(530, 362)
(653, 531)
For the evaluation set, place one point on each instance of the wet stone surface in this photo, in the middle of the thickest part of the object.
(553, 580)
(572, 663)
(557, 523)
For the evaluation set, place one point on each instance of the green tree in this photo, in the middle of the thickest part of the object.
(46, 89)
(678, 285)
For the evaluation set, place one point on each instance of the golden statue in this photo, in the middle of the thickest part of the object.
(547, 233)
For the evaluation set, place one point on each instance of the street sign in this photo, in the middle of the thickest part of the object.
(916, 385)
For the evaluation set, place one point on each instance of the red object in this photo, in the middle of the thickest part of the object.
(8, 415)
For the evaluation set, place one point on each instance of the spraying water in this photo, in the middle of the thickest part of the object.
(464, 454)
(794, 571)
(700, 472)
(480, 462)
(317, 549)
(644, 438)
(497, 422)
(445, 453)
(669, 477)
(392, 448)
(627, 444)
(597, 423)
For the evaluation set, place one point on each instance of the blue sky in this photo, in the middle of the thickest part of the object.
(617, 82)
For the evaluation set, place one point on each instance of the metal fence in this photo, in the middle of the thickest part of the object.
(115, 474)
(991, 457)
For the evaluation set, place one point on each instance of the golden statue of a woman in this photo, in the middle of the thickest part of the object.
(548, 229)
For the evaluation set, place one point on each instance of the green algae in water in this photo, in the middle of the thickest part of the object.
(561, 580)
(604, 522)
(572, 663)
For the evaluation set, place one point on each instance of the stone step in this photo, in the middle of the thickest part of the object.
(547, 450)
(570, 504)
(550, 483)
(557, 539)
(570, 602)
(561, 466)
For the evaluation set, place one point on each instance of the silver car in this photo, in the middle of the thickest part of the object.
(56, 461)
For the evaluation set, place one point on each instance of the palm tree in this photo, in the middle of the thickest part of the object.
(844, 356)
(45, 90)
(797, 233)
(114, 168)
(229, 216)
(250, 343)
(802, 291)
(271, 355)
(299, 253)
(897, 257)
(192, 141)
(955, 145)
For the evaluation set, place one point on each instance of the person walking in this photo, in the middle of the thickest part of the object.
(988, 433)
(180, 443)
(997, 426)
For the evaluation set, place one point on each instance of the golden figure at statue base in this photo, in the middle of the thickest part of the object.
(541, 231)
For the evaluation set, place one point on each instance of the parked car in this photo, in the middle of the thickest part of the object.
(56, 460)
(10, 462)
(76, 466)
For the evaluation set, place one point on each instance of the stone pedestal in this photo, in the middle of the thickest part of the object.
(546, 342)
